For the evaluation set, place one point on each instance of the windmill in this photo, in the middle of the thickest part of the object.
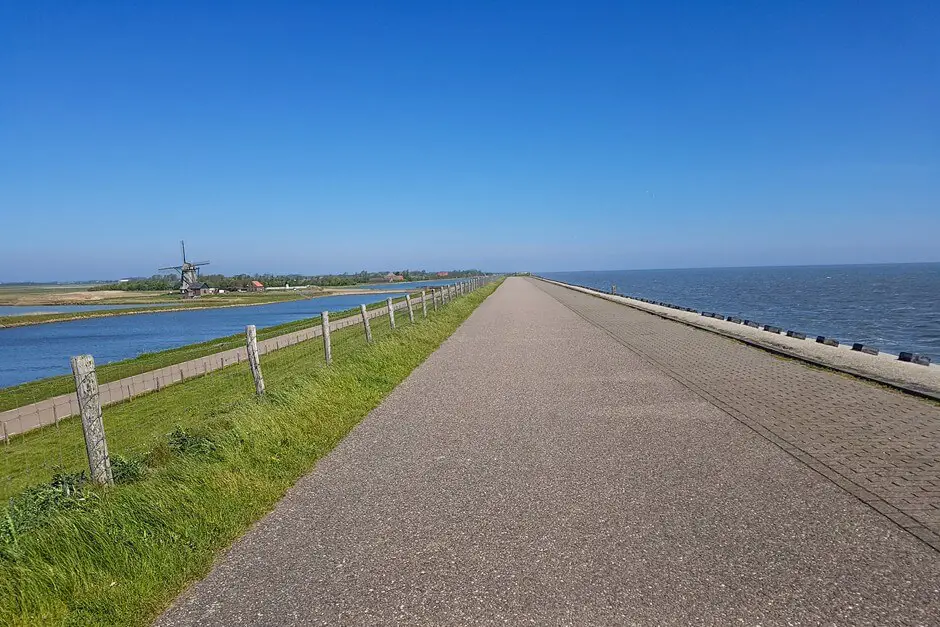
(189, 271)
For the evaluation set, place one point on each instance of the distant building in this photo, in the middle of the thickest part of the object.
(197, 289)
(391, 278)
(444, 273)
(256, 286)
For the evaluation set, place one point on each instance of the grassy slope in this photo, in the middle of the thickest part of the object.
(123, 556)
(35, 391)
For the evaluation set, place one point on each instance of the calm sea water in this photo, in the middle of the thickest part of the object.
(35, 352)
(894, 307)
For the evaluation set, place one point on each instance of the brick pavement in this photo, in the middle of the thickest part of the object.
(880, 445)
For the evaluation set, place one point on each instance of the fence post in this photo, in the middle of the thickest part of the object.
(251, 341)
(365, 323)
(86, 388)
(424, 303)
(391, 313)
(411, 312)
(325, 325)
(434, 297)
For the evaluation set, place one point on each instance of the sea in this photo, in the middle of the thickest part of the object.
(893, 307)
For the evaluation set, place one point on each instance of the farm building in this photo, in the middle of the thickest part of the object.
(256, 286)
(197, 289)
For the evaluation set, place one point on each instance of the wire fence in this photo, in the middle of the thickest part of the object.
(48, 438)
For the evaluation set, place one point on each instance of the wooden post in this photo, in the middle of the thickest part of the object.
(391, 313)
(411, 312)
(254, 361)
(424, 303)
(365, 323)
(434, 297)
(86, 388)
(325, 325)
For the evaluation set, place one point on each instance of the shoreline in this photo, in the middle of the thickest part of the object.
(110, 313)
(884, 368)
(29, 318)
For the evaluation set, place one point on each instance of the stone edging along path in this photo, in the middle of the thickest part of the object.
(883, 368)
(52, 410)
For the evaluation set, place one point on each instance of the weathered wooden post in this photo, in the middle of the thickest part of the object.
(424, 303)
(391, 313)
(411, 312)
(96, 446)
(325, 325)
(434, 297)
(254, 361)
(365, 323)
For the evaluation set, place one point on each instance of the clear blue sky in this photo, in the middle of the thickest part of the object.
(328, 137)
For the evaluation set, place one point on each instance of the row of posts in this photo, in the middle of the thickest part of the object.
(86, 380)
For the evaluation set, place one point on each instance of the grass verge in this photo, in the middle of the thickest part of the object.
(216, 460)
(35, 391)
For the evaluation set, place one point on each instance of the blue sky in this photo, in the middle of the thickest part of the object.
(328, 137)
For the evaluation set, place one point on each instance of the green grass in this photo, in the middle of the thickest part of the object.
(118, 556)
(35, 391)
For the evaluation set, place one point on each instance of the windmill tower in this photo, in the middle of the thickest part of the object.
(189, 271)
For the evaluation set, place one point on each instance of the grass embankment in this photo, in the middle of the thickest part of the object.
(35, 391)
(120, 555)
(165, 302)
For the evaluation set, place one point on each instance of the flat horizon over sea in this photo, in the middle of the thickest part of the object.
(894, 307)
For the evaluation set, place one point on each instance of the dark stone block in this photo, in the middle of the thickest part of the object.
(751, 323)
(868, 350)
(914, 358)
(734, 320)
(772, 329)
(828, 341)
(796, 334)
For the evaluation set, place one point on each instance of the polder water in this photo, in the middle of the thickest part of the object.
(43, 350)
(894, 307)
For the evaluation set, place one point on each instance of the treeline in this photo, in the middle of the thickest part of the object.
(170, 282)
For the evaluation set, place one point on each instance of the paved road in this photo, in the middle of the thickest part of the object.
(536, 470)
(879, 444)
